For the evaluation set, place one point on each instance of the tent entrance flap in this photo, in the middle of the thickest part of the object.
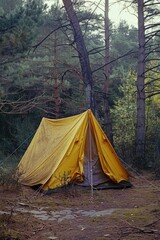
(92, 166)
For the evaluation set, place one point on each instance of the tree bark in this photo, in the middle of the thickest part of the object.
(82, 53)
(56, 95)
(107, 115)
(140, 126)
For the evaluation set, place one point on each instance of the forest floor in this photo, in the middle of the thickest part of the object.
(126, 214)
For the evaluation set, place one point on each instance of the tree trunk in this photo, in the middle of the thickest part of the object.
(140, 127)
(56, 95)
(107, 116)
(82, 53)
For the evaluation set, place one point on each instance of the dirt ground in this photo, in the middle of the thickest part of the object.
(126, 214)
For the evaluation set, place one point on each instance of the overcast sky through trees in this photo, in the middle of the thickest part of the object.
(117, 11)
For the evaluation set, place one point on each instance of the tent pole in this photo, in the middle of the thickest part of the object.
(90, 157)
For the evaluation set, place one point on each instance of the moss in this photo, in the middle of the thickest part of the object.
(136, 216)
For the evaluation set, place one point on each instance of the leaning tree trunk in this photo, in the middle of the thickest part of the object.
(140, 126)
(82, 53)
(56, 95)
(107, 115)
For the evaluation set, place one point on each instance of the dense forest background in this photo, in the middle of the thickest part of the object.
(40, 75)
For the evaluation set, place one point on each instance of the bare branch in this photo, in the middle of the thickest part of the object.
(152, 26)
(153, 94)
(54, 30)
(154, 67)
(152, 81)
(114, 60)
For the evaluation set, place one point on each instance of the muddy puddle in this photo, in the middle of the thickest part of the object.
(66, 214)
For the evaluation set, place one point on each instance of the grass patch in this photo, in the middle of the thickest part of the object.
(137, 216)
(9, 179)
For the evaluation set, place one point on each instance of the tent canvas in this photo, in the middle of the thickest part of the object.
(67, 150)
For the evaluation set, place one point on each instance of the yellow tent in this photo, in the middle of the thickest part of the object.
(67, 150)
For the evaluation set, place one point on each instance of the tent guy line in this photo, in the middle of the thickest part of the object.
(2, 162)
